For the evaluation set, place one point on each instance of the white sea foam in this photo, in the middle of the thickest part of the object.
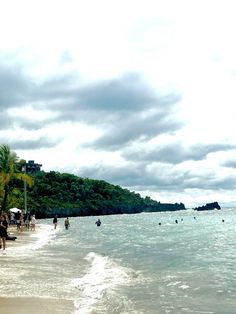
(41, 237)
(102, 277)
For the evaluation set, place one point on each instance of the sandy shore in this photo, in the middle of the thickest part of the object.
(23, 237)
(23, 305)
(32, 305)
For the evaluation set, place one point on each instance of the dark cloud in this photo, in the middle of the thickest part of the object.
(135, 127)
(127, 110)
(175, 153)
(231, 163)
(37, 143)
(14, 87)
(5, 120)
(138, 178)
(135, 177)
(57, 92)
(117, 96)
(125, 94)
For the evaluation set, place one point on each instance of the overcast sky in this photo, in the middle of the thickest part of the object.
(138, 93)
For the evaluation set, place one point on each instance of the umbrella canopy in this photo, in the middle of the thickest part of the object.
(15, 210)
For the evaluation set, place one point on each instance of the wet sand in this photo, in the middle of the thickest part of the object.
(23, 237)
(24, 305)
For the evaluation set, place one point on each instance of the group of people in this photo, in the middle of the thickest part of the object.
(66, 222)
(27, 221)
(19, 219)
(23, 220)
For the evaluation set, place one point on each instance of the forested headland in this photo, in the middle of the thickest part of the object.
(48, 193)
(66, 194)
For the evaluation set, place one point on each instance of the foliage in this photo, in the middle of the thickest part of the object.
(66, 194)
(9, 177)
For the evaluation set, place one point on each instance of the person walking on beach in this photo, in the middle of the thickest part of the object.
(21, 222)
(12, 219)
(67, 223)
(26, 221)
(3, 231)
(55, 222)
(33, 223)
(17, 219)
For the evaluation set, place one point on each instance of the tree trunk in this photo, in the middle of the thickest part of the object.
(4, 202)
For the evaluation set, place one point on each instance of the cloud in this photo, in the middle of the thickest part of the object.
(14, 87)
(5, 120)
(160, 177)
(30, 144)
(125, 109)
(231, 163)
(135, 127)
(175, 153)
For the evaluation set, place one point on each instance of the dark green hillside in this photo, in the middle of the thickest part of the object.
(66, 194)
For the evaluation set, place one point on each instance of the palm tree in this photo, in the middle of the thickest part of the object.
(9, 172)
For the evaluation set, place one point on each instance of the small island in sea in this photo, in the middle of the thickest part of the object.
(208, 206)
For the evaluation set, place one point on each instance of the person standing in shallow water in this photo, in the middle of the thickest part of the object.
(67, 223)
(98, 223)
(33, 222)
(55, 222)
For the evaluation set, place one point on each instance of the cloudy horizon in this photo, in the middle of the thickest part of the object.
(137, 93)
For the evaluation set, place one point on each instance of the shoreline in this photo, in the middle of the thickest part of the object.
(27, 304)
(23, 237)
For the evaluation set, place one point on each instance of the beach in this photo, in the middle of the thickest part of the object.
(30, 304)
(129, 264)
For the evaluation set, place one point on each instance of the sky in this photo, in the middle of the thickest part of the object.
(141, 94)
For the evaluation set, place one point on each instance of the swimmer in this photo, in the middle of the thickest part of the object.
(55, 221)
(98, 223)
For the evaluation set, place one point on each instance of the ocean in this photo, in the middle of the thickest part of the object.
(130, 264)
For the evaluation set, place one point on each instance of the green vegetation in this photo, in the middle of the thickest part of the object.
(9, 178)
(64, 194)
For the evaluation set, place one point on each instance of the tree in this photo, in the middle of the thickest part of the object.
(9, 172)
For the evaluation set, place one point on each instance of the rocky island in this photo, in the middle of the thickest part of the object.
(208, 206)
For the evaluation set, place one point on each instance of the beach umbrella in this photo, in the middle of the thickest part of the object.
(15, 210)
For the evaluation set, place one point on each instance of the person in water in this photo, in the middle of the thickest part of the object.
(98, 223)
(55, 221)
(67, 223)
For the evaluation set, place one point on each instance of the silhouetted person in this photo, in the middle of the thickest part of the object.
(98, 223)
(55, 221)
(67, 223)
(176, 221)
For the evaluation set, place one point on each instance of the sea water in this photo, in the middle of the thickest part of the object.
(130, 264)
